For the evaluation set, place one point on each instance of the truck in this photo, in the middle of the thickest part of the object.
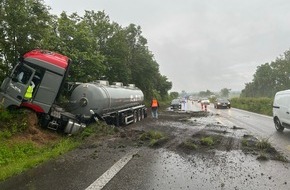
(87, 102)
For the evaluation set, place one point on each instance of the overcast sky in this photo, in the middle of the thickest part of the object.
(201, 44)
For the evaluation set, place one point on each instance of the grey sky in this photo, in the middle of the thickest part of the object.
(201, 44)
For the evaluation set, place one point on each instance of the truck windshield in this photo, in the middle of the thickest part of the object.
(21, 74)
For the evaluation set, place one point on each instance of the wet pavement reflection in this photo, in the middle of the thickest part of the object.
(226, 170)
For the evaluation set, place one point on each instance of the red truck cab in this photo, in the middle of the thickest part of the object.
(47, 71)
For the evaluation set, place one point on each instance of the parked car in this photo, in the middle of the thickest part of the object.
(175, 104)
(222, 103)
(281, 110)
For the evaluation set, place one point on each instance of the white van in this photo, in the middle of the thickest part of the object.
(281, 110)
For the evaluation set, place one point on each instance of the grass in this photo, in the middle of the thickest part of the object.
(189, 144)
(207, 141)
(263, 144)
(155, 138)
(20, 156)
(16, 155)
(200, 142)
(11, 123)
(264, 148)
(258, 105)
(97, 129)
(262, 157)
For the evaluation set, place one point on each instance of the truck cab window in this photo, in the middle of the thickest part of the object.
(21, 74)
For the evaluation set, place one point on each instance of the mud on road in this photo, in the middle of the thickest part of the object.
(180, 150)
(197, 133)
(221, 157)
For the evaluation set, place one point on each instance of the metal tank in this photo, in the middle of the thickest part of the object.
(102, 98)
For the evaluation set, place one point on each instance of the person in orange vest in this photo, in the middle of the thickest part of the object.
(154, 108)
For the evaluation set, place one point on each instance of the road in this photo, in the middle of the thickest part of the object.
(259, 125)
(114, 164)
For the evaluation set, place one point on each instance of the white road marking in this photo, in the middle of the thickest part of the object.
(110, 173)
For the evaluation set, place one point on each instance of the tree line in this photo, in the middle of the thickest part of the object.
(99, 47)
(270, 78)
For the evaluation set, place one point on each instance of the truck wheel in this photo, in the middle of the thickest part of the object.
(142, 114)
(278, 125)
(44, 120)
(135, 116)
(139, 115)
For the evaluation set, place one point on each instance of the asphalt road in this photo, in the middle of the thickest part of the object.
(259, 125)
(111, 166)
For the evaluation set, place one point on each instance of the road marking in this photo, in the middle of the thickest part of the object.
(110, 173)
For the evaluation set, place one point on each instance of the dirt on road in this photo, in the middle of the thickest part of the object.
(179, 150)
(195, 133)
(221, 157)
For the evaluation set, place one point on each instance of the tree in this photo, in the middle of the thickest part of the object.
(163, 86)
(117, 54)
(269, 78)
(206, 93)
(98, 47)
(24, 25)
(79, 43)
(225, 92)
(173, 95)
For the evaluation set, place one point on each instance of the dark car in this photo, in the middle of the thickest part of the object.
(222, 103)
(176, 104)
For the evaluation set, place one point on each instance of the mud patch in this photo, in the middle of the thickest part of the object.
(34, 133)
(195, 133)
(262, 148)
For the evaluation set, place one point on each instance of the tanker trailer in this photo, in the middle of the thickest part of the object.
(116, 104)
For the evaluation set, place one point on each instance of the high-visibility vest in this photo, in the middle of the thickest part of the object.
(28, 94)
(154, 103)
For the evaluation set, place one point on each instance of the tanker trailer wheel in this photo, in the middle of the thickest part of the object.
(142, 114)
(135, 116)
(139, 115)
(121, 119)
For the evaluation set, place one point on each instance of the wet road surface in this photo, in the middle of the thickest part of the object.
(260, 125)
(111, 165)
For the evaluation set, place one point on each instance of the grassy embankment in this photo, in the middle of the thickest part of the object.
(24, 146)
(257, 105)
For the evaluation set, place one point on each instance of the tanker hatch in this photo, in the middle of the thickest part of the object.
(83, 102)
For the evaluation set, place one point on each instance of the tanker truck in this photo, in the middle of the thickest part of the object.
(47, 71)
